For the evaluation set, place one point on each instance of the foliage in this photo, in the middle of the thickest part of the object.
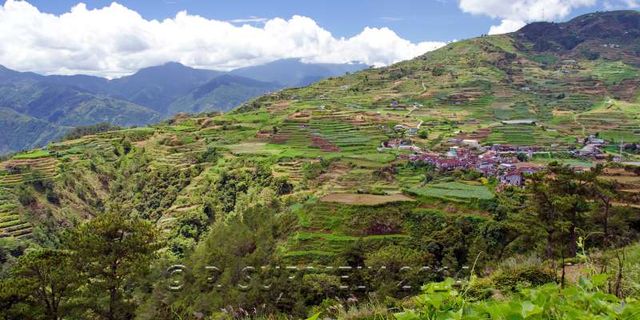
(81, 131)
(445, 300)
(112, 251)
(42, 283)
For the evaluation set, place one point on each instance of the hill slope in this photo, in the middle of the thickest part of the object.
(145, 97)
(221, 94)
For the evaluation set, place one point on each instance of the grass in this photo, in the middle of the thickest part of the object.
(253, 148)
(35, 154)
(614, 72)
(364, 199)
(454, 191)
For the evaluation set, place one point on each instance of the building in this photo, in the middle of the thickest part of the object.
(520, 121)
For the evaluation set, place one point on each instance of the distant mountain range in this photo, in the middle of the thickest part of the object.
(36, 109)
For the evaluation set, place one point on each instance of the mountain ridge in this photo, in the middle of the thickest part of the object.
(145, 97)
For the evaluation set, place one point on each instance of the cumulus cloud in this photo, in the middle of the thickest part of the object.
(506, 26)
(115, 40)
(621, 4)
(516, 13)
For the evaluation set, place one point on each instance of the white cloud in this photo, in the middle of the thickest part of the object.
(515, 13)
(621, 4)
(251, 19)
(114, 41)
(507, 26)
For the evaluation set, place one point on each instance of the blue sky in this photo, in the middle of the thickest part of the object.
(415, 20)
(113, 39)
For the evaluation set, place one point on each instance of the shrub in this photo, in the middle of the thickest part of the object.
(522, 277)
(79, 132)
(52, 197)
(445, 301)
(25, 197)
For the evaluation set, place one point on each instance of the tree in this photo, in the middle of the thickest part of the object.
(604, 193)
(45, 279)
(522, 157)
(559, 198)
(113, 250)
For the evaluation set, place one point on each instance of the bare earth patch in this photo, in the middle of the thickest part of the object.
(364, 199)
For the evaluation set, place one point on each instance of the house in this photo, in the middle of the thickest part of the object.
(592, 139)
(520, 121)
(399, 127)
(513, 178)
(590, 150)
(471, 143)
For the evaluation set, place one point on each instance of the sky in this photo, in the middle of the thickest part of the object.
(113, 39)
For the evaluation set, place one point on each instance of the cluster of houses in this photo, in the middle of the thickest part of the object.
(498, 161)
(507, 163)
(504, 166)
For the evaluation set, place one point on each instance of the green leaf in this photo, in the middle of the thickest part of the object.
(315, 316)
(529, 309)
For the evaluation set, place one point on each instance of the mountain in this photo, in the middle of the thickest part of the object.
(19, 131)
(153, 87)
(157, 87)
(295, 73)
(145, 97)
(37, 110)
(424, 164)
(221, 94)
(592, 31)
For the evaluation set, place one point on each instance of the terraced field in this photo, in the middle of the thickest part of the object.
(327, 230)
(21, 170)
(363, 199)
(454, 191)
(11, 222)
(612, 125)
(527, 135)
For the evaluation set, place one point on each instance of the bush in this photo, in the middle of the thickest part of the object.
(312, 170)
(209, 155)
(522, 277)
(445, 301)
(79, 132)
(25, 197)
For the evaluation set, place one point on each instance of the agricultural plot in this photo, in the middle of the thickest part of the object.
(613, 125)
(35, 154)
(328, 229)
(614, 72)
(526, 135)
(252, 148)
(454, 191)
(11, 223)
(364, 199)
(329, 135)
(21, 170)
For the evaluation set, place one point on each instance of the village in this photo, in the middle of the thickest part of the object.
(508, 164)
